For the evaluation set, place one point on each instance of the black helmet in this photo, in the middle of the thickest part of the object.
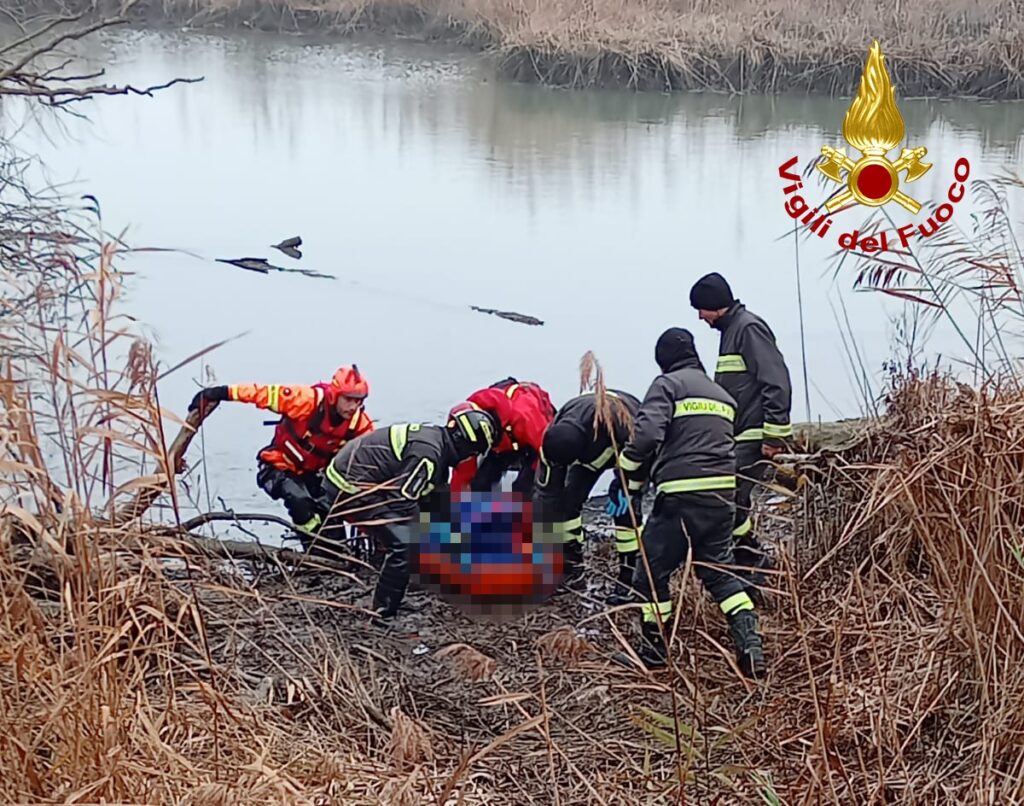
(477, 428)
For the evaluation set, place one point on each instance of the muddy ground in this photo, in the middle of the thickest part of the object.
(469, 681)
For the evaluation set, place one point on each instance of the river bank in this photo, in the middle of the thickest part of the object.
(932, 50)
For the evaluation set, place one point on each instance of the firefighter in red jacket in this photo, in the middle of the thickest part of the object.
(524, 411)
(316, 421)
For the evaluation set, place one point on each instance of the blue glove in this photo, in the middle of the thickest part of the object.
(618, 502)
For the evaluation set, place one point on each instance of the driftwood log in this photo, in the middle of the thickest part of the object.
(146, 495)
(171, 542)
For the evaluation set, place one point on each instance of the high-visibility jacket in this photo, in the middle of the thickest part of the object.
(598, 452)
(392, 469)
(524, 411)
(752, 370)
(685, 425)
(310, 431)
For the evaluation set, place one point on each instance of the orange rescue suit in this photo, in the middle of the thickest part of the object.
(310, 432)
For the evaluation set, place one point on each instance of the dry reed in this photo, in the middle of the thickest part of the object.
(895, 647)
(932, 49)
(896, 644)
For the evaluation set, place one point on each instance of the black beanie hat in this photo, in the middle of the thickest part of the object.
(675, 348)
(711, 292)
(564, 443)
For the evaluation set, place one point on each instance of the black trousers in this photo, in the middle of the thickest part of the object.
(751, 469)
(391, 521)
(301, 494)
(494, 466)
(679, 521)
(561, 494)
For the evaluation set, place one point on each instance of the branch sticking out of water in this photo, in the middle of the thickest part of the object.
(261, 265)
(512, 316)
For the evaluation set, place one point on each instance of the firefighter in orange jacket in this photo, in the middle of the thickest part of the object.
(524, 410)
(316, 421)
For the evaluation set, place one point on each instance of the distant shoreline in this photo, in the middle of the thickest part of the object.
(931, 51)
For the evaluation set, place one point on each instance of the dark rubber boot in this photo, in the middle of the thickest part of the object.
(749, 645)
(393, 579)
(623, 592)
(753, 560)
(651, 649)
(385, 605)
(573, 565)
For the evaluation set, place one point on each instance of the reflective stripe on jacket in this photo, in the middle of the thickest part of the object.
(752, 370)
(685, 425)
(310, 431)
(403, 461)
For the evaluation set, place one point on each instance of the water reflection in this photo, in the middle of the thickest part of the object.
(426, 186)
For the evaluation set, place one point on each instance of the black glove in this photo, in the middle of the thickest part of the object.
(208, 395)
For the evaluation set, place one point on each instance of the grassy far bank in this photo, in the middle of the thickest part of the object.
(937, 49)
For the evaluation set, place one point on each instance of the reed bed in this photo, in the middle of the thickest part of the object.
(949, 48)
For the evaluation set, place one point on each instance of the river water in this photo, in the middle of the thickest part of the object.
(425, 186)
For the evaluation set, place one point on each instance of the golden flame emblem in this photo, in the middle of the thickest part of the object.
(874, 126)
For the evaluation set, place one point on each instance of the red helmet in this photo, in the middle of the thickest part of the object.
(350, 383)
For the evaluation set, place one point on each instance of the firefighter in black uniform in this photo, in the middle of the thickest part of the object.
(685, 424)
(380, 479)
(752, 370)
(577, 449)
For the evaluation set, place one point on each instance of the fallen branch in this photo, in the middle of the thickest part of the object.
(245, 550)
(213, 517)
(69, 95)
(512, 316)
(145, 497)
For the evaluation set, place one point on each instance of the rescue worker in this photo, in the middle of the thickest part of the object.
(523, 410)
(576, 451)
(752, 370)
(316, 421)
(380, 480)
(685, 428)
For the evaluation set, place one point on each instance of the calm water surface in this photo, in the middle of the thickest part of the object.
(426, 186)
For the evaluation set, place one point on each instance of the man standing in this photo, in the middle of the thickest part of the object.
(752, 370)
(577, 450)
(380, 480)
(316, 421)
(685, 430)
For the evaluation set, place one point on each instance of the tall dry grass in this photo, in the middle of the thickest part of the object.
(895, 639)
(134, 669)
(946, 48)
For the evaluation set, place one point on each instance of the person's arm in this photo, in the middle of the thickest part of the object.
(649, 431)
(530, 420)
(463, 474)
(765, 362)
(291, 401)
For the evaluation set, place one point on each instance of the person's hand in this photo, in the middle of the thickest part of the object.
(206, 396)
(769, 450)
(618, 502)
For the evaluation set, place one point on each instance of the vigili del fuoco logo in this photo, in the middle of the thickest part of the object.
(874, 127)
